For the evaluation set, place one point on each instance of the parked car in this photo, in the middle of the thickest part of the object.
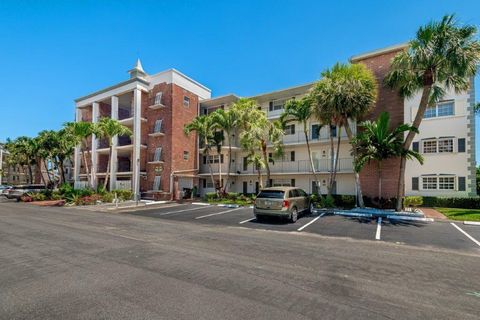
(284, 202)
(4, 189)
(17, 192)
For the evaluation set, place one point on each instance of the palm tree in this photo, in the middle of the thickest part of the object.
(376, 142)
(66, 143)
(205, 128)
(45, 142)
(444, 55)
(227, 121)
(345, 92)
(80, 132)
(108, 128)
(301, 111)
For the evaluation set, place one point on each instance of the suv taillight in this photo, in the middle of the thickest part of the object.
(285, 204)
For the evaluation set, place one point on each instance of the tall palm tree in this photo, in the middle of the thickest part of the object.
(227, 121)
(301, 111)
(346, 92)
(205, 128)
(66, 143)
(443, 56)
(80, 132)
(376, 142)
(45, 143)
(108, 128)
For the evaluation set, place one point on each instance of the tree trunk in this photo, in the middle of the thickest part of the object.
(260, 181)
(108, 166)
(30, 173)
(84, 156)
(408, 141)
(332, 163)
(311, 160)
(266, 160)
(39, 168)
(48, 173)
(348, 130)
(220, 184)
(229, 164)
(62, 172)
(379, 180)
(336, 157)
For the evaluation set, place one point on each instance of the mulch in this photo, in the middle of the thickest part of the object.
(49, 203)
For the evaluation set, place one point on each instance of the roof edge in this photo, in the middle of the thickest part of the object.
(378, 52)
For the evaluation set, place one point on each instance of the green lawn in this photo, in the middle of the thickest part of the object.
(461, 214)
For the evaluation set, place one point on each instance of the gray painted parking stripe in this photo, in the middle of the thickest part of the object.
(379, 228)
(306, 225)
(245, 221)
(177, 211)
(466, 234)
(218, 213)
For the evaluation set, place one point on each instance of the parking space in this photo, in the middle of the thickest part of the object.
(448, 235)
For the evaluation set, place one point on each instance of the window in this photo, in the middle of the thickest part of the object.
(270, 157)
(158, 98)
(245, 163)
(430, 146)
(333, 131)
(156, 183)
(186, 155)
(429, 183)
(441, 109)
(276, 105)
(446, 183)
(315, 131)
(445, 145)
(158, 154)
(290, 129)
(281, 183)
(158, 126)
(292, 156)
(186, 101)
(215, 159)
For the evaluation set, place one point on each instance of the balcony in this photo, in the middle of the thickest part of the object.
(157, 129)
(302, 166)
(156, 157)
(125, 113)
(124, 141)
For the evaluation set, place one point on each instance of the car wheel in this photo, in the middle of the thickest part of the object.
(294, 215)
(258, 217)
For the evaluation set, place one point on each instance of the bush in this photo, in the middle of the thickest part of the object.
(232, 195)
(89, 200)
(462, 203)
(327, 202)
(108, 197)
(123, 195)
(344, 200)
(26, 198)
(413, 201)
(211, 196)
(38, 196)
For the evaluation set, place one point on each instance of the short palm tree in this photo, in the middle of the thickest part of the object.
(205, 128)
(80, 132)
(443, 55)
(376, 142)
(227, 121)
(345, 92)
(108, 128)
(301, 111)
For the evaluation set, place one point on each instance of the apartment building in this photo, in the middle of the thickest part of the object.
(446, 141)
(159, 160)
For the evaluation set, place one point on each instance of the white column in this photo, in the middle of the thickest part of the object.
(137, 121)
(95, 107)
(77, 162)
(114, 160)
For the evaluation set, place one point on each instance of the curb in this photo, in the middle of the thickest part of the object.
(472, 223)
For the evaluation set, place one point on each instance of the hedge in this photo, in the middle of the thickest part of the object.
(462, 203)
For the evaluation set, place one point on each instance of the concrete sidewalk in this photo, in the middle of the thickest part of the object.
(432, 213)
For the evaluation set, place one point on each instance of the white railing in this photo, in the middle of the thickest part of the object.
(124, 184)
(80, 184)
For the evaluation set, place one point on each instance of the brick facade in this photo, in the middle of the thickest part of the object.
(389, 100)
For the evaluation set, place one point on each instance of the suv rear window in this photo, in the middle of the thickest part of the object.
(271, 194)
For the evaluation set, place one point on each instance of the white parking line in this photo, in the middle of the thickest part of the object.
(379, 228)
(177, 211)
(466, 234)
(218, 213)
(245, 221)
(306, 225)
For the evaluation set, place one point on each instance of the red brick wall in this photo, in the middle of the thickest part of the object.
(390, 101)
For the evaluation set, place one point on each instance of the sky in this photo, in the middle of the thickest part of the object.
(52, 52)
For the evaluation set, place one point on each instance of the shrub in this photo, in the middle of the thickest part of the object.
(413, 201)
(211, 196)
(327, 202)
(89, 200)
(123, 195)
(37, 196)
(108, 197)
(56, 196)
(26, 198)
(232, 195)
(345, 201)
(462, 203)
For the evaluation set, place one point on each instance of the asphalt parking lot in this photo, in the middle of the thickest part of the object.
(444, 234)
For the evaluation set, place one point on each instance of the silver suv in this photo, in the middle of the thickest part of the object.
(286, 202)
